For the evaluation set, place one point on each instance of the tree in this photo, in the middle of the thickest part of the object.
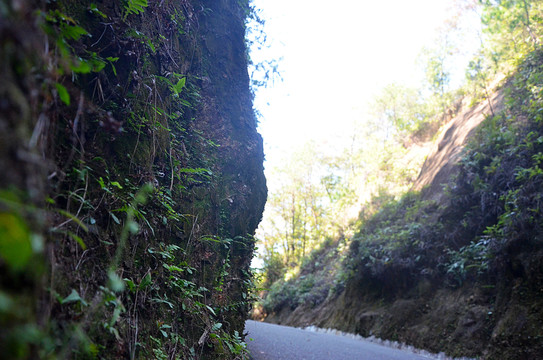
(305, 205)
(512, 27)
(398, 109)
(436, 63)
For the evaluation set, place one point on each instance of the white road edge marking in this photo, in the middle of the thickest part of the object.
(387, 343)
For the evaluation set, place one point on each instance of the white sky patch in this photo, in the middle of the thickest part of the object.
(336, 56)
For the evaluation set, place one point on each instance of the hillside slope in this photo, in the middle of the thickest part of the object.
(446, 150)
(457, 266)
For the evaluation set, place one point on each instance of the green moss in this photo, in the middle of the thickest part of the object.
(123, 254)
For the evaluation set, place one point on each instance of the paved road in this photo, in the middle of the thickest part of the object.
(275, 342)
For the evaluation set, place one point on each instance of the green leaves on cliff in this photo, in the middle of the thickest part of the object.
(178, 87)
(128, 266)
(69, 28)
(15, 241)
(94, 9)
(63, 93)
(135, 7)
(73, 297)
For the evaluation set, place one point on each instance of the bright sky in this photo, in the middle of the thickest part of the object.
(336, 56)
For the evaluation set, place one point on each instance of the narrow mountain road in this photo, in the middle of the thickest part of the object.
(275, 342)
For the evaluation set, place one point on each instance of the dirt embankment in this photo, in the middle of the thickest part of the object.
(446, 150)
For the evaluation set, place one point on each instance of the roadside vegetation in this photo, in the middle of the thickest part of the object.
(483, 238)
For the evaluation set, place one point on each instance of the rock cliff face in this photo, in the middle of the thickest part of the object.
(132, 179)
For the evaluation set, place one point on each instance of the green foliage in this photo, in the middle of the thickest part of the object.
(73, 297)
(315, 282)
(274, 269)
(511, 30)
(514, 28)
(400, 108)
(470, 261)
(15, 241)
(144, 256)
(438, 78)
(500, 179)
(94, 9)
(263, 70)
(494, 204)
(396, 245)
(282, 294)
(135, 7)
(63, 93)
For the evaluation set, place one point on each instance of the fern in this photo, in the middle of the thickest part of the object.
(135, 7)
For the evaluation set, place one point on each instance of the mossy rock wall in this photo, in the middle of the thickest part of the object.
(132, 179)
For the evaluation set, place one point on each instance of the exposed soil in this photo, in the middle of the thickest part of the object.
(447, 149)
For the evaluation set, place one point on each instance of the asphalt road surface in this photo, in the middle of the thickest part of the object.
(275, 342)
